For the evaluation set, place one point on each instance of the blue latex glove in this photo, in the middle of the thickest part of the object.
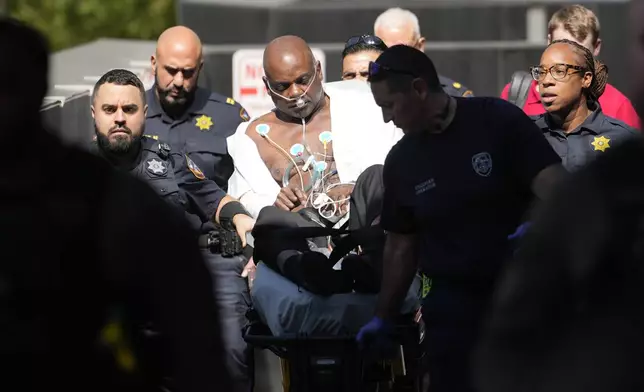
(376, 338)
(520, 232)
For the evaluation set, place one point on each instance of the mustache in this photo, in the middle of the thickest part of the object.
(181, 92)
(119, 128)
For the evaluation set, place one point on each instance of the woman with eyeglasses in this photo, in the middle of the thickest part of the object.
(570, 83)
(358, 51)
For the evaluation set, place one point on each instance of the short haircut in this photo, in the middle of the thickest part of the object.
(120, 77)
(359, 48)
(577, 20)
(394, 17)
(401, 64)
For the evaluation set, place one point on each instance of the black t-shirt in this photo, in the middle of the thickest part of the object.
(464, 190)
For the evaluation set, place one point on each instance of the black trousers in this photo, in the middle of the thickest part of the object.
(366, 198)
(233, 298)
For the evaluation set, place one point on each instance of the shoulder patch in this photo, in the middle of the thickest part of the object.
(244, 114)
(192, 166)
(156, 167)
(468, 93)
(230, 101)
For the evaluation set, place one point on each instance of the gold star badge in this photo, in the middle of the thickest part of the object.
(457, 85)
(204, 122)
(601, 143)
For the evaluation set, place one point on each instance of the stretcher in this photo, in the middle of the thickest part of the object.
(314, 337)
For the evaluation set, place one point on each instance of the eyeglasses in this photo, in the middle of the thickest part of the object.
(376, 69)
(559, 72)
(366, 39)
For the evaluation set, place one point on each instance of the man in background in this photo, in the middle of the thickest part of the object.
(358, 52)
(398, 26)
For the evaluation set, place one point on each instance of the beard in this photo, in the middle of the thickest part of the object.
(174, 105)
(121, 145)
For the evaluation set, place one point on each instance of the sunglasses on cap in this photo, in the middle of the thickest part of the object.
(376, 69)
(366, 39)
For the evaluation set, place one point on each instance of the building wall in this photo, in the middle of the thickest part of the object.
(485, 70)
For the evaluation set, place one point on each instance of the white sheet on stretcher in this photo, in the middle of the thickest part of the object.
(286, 308)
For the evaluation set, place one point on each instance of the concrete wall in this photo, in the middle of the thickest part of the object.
(468, 40)
(479, 46)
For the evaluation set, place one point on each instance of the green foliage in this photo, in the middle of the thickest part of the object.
(72, 22)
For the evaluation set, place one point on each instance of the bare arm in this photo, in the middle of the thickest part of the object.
(399, 267)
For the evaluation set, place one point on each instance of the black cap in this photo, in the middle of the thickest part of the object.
(403, 59)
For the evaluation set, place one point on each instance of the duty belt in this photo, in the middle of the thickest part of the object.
(222, 241)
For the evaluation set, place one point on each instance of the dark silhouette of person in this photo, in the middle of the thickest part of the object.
(88, 255)
(568, 313)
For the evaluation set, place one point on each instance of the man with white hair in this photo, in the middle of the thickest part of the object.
(398, 26)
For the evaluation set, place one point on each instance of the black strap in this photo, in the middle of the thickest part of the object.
(342, 247)
(519, 88)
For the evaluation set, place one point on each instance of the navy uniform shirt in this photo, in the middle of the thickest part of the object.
(178, 180)
(202, 130)
(463, 191)
(455, 89)
(593, 137)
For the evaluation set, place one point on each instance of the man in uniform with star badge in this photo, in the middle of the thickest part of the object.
(118, 108)
(199, 120)
(182, 113)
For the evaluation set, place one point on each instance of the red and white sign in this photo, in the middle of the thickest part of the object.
(248, 86)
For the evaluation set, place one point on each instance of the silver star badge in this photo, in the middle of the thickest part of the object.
(156, 167)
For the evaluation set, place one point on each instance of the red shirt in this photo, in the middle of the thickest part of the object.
(614, 104)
